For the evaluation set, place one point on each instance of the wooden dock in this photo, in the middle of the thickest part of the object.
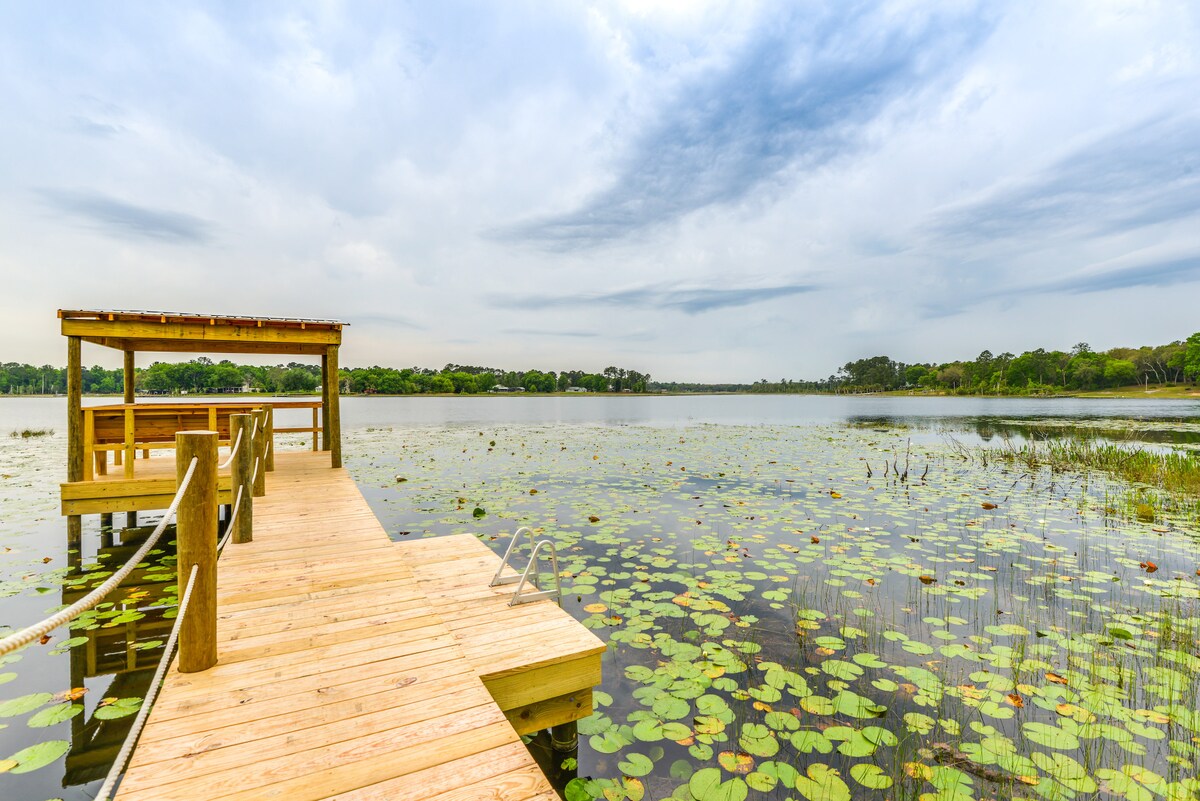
(352, 667)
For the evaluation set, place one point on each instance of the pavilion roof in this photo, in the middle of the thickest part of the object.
(200, 333)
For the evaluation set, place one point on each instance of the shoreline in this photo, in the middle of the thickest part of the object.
(1124, 393)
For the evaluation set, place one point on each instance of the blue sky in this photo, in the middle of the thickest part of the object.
(699, 190)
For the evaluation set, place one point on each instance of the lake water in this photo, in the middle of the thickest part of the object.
(787, 618)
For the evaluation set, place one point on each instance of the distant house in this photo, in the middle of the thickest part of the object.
(502, 388)
(578, 389)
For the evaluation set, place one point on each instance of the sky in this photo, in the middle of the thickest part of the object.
(700, 190)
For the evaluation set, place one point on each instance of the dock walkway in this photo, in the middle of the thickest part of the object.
(352, 667)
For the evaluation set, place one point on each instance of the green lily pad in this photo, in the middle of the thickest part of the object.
(706, 785)
(38, 756)
(24, 704)
(870, 776)
(822, 783)
(54, 714)
(635, 764)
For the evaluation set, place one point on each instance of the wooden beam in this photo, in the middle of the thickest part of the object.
(556, 711)
(199, 346)
(215, 332)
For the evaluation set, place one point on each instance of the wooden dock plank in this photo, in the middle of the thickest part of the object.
(337, 675)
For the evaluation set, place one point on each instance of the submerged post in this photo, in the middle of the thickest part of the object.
(565, 737)
(196, 541)
(241, 472)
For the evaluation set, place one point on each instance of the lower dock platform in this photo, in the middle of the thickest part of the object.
(352, 667)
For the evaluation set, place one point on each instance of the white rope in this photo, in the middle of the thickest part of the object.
(35, 632)
(232, 451)
(225, 539)
(135, 731)
(254, 431)
(237, 508)
(254, 478)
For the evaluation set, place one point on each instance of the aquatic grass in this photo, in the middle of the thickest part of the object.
(1176, 473)
(717, 592)
(28, 433)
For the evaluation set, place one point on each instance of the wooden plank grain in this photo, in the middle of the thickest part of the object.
(345, 669)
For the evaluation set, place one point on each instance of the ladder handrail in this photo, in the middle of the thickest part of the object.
(556, 593)
(498, 580)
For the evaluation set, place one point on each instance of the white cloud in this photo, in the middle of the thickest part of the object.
(390, 165)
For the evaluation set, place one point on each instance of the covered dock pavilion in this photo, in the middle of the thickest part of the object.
(127, 428)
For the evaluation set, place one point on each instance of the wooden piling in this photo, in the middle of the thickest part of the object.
(128, 376)
(74, 430)
(196, 540)
(241, 471)
(269, 414)
(333, 418)
(258, 468)
(325, 401)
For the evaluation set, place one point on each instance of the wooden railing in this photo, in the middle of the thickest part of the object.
(123, 429)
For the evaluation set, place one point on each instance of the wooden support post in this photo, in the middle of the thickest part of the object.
(74, 410)
(241, 470)
(196, 540)
(324, 402)
(269, 412)
(315, 426)
(333, 420)
(259, 469)
(128, 377)
(565, 737)
(130, 451)
(74, 431)
(89, 441)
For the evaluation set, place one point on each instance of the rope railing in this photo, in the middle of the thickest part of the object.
(27, 635)
(254, 476)
(135, 731)
(232, 452)
(232, 522)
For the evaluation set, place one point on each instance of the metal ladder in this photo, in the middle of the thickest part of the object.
(520, 596)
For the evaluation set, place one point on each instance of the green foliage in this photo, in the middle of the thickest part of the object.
(202, 375)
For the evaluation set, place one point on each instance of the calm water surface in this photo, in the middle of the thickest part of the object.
(778, 455)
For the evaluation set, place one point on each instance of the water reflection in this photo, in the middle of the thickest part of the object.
(120, 652)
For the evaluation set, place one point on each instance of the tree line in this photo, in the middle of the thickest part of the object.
(203, 375)
(1034, 372)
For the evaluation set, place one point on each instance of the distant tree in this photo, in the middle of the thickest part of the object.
(951, 375)
(1119, 373)
(1191, 357)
